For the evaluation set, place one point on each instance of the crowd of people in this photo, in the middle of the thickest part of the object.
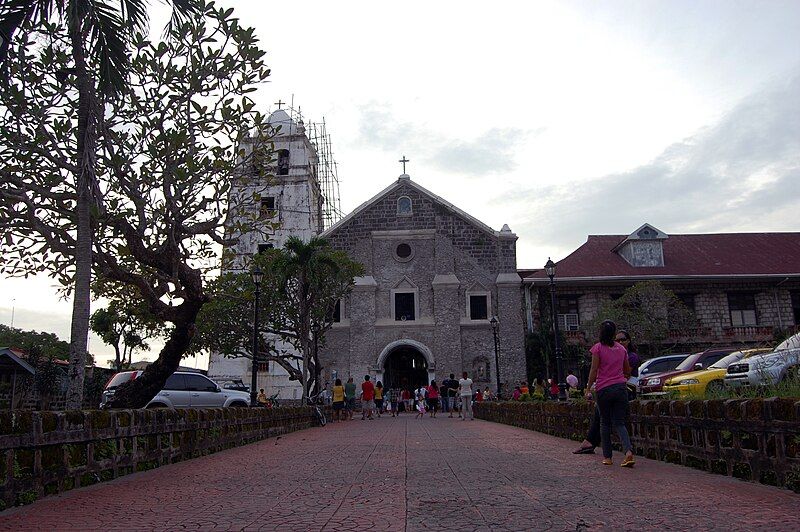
(452, 396)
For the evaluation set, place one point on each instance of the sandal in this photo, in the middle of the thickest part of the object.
(607, 461)
(629, 461)
(584, 450)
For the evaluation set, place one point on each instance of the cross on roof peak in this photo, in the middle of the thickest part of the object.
(279, 103)
(404, 161)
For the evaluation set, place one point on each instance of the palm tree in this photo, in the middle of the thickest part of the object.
(100, 32)
(302, 266)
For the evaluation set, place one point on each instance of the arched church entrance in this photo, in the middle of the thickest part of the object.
(405, 367)
(405, 363)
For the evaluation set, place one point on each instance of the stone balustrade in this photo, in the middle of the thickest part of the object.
(44, 453)
(751, 439)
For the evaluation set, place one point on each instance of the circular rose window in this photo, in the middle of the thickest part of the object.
(403, 252)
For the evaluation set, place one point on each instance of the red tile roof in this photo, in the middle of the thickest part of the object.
(742, 254)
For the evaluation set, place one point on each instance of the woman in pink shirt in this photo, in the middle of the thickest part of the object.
(610, 371)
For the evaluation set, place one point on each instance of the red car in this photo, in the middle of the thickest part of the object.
(652, 385)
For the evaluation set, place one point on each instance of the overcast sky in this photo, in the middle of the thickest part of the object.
(561, 119)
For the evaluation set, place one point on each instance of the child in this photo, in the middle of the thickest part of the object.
(420, 404)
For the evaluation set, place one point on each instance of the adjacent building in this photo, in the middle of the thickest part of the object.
(742, 287)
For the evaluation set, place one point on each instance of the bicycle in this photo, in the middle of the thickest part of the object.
(272, 401)
(317, 401)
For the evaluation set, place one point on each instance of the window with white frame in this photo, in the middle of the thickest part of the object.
(568, 319)
(742, 306)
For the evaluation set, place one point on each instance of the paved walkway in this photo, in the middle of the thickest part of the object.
(407, 474)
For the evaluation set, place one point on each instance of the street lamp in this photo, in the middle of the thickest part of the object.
(257, 275)
(550, 270)
(495, 325)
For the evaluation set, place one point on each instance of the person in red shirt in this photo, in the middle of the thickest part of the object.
(406, 397)
(367, 398)
(432, 398)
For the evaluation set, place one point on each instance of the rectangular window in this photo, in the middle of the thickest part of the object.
(479, 307)
(262, 367)
(796, 307)
(742, 306)
(404, 306)
(267, 207)
(568, 313)
(264, 247)
(337, 311)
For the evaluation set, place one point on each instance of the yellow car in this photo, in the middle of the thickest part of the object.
(699, 383)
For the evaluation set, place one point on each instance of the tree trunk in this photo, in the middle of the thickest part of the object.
(118, 359)
(85, 156)
(138, 392)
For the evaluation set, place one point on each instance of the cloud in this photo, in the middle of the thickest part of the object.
(491, 152)
(741, 174)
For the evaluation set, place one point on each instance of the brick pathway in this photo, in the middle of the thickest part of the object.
(407, 474)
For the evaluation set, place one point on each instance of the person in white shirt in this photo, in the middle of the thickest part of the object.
(465, 391)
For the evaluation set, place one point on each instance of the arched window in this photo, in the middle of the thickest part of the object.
(404, 206)
(283, 162)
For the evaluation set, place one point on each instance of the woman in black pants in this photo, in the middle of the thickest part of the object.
(609, 373)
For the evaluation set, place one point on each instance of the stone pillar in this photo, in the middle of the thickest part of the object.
(447, 317)
(511, 333)
(362, 355)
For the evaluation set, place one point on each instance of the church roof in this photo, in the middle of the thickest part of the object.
(406, 180)
(281, 118)
(685, 256)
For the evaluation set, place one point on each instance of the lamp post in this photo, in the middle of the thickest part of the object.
(258, 275)
(495, 325)
(550, 270)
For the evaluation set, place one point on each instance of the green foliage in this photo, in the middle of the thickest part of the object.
(47, 343)
(648, 311)
(300, 287)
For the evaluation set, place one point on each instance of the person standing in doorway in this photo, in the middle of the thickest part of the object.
(367, 398)
(609, 373)
(350, 397)
(465, 391)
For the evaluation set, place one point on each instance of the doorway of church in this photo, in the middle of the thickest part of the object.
(405, 367)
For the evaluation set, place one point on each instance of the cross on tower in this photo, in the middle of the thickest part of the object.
(279, 103)
(404, 161)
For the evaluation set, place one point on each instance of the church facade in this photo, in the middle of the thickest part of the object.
(435, 277)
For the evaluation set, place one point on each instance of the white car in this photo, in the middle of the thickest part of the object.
(183, 389)
(764, 370)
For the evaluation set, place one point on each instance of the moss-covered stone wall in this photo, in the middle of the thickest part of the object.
(42, 453)
(751, 439)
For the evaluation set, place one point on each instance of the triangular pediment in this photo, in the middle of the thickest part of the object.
(406, 187)
(405, 283)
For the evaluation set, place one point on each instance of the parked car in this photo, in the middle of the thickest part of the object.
(183, 389)
(652, 385)
(698, 383)
(235, 385)
(764, 370)
(651, 366)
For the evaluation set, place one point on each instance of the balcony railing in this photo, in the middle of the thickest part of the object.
(692, 334)
(749, 332)
(574, 337)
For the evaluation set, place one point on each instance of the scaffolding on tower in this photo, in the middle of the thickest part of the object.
(326, 168)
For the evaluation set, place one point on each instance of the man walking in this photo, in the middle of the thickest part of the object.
(350, 396)
(449, 390)
(465, 391)
(367, 398)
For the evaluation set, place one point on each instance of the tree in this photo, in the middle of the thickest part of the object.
(166, 155)
(98, 34)
(304, 310)
(649, 312)
(225, 325)
(46, 342)
(124, 324)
